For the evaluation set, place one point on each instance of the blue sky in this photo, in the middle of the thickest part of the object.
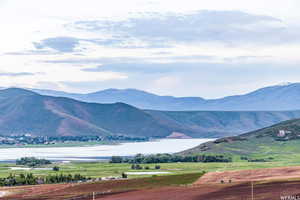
(182, 48)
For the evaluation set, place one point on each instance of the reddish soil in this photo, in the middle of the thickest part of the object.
(267, 191)
(251, 175)
(269, 184)
(166, 193)
(24, 192)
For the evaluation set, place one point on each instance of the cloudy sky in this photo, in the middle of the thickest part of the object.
(208, 48)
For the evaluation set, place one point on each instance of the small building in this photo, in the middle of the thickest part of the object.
(283, 133)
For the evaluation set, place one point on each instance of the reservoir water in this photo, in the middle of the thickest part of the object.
(101, 152)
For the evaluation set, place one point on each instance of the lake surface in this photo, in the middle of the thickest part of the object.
(101, 152)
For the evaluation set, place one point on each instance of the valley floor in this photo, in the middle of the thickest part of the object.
(184, 181)
(271, 186)
(263, 191)
(104, 169)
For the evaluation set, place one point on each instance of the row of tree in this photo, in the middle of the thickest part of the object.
(169, 158)
(30, 179)
(32, 161)
(138, 167)
(269, 159)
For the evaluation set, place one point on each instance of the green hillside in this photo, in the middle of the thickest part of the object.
(279, 141)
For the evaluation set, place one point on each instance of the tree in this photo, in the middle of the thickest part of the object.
(32, 161)
(138, 167)
(124, 175)
(55, 168)
(116, 159)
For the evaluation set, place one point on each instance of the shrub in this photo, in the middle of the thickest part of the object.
(124, 175)
(138, 167)
(171, 158)
(55, 168)
(157, 166)
(116, 159)
(244, 158)
(32, 161)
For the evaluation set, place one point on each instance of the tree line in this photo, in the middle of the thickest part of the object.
(30, 179)
(170, 158)
(139, 167)
(32, 161)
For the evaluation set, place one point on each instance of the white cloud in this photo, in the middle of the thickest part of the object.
(25, 23)
(166, 83)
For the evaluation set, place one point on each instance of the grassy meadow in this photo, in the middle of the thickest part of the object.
(103, 169)
(265, 147)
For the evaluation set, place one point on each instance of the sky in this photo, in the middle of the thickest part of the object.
(207, 48)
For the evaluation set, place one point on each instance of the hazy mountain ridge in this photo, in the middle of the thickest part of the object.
(278, 97)
(23, 111)
(138, 98)
(223, 123)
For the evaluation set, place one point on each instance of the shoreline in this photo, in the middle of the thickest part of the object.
(89, 144)
(60, 145)
(87, 152)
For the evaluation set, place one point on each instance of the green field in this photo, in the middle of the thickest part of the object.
(101, 169)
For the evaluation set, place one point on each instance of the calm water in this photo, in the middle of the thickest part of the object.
(89, 153)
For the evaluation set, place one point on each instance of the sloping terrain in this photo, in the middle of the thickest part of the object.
(162, 188)
(23, 111)
(278, 97)
(222, 123)
(250, 175)
(100, 188)
(281, 140)
(137, 98)
(262, 191)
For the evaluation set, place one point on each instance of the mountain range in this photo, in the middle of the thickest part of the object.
(23, 111)
(272, 98)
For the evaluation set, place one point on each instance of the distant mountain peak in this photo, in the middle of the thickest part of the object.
(284, 96)
(114, 90)
(17, 91)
